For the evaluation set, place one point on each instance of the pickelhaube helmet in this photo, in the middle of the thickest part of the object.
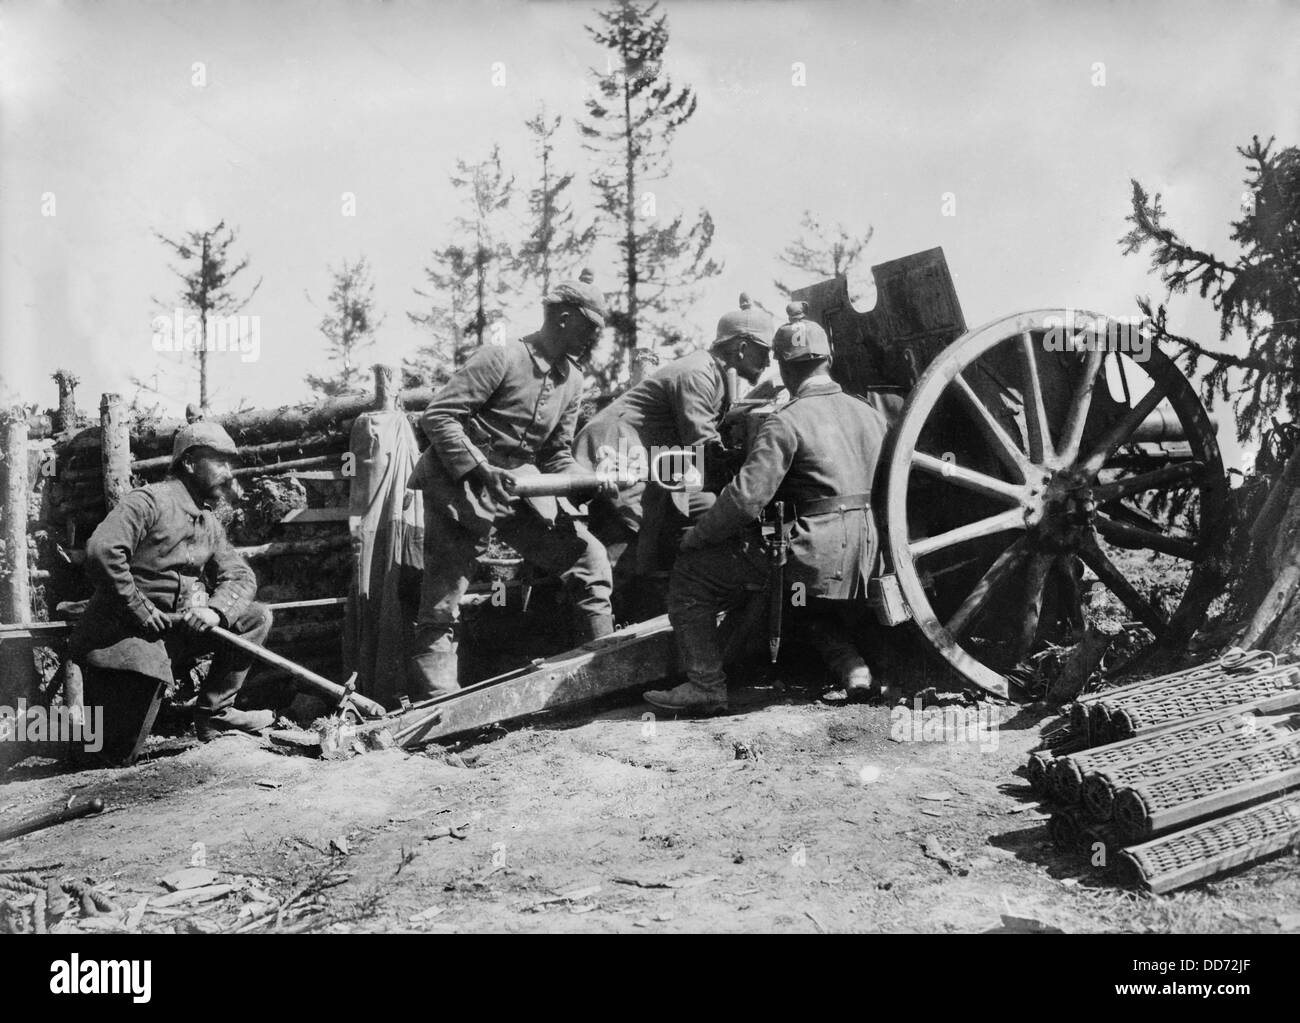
(801, 339)
(747, 321)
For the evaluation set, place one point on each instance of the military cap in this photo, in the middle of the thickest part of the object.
(583, 295)
(746, 321)
(202, 435)
(800, 339)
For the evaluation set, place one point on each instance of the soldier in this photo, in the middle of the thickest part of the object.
(677, 406)
(818, 455)
(152, 561)
(509, 407)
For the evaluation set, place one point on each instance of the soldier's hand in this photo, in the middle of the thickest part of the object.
(201, 619)
(157, 623)
(691, 540)
(496, 483)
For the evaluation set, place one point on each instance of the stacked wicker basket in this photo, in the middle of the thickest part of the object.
(1192, 773)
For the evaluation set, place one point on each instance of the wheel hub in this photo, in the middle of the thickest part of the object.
(1062, 510)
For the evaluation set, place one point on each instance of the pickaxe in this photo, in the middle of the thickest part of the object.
(346, 695)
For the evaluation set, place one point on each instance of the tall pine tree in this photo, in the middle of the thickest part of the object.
(349, 325)
(631, 121)
(556, 246)
(207, 275)
(472, 279)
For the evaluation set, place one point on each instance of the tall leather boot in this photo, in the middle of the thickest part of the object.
(434, 669)
(596, 627)
(705, 688)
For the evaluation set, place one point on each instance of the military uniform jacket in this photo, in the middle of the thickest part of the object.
(507, 406)
(821, 445)
(676, 406)
(157, 548)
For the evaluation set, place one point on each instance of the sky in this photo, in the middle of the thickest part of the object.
(1031, 117)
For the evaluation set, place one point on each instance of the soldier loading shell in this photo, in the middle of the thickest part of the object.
(511, 408)
(678, 406)
(817, 455)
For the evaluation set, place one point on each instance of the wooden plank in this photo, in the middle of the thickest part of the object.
(318, 474)
(628, 660)
(303, 516)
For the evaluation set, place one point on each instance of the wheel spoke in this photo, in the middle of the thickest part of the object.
(1040, 437)
(1158, 479)
(998, 439)
(1123, 428)
(1095, 558)
(970, 479)
(1072, 432)
(1134, 538)
(975, 602)
(1035, 582)
(1001, 523)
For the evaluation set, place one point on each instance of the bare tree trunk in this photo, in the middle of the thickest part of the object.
(115, 450)
(67, 399)
(629, 219)
(17, 671)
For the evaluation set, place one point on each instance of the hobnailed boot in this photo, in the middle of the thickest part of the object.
(689, 698)
(207, 725)
(432, 673)
(859, 687)
(706, 690)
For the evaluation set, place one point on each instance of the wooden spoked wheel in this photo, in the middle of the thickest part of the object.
(1021, 496)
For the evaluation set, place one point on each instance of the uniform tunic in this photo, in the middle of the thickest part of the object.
(822, 446)
(510, 407)
(677, 406)
(158, 548)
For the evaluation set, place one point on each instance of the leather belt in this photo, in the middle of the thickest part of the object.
(838, 503)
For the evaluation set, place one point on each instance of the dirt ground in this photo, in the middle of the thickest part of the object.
(785, 815)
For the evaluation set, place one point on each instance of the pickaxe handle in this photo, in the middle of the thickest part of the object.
(365, 706)
(51, 819)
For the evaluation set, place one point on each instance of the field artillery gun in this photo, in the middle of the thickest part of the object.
(1036, 457)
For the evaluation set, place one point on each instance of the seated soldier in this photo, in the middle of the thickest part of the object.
(675, 407)
(817, 454)
(164, 574)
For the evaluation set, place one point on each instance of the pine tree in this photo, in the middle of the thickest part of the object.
(447, 298)
(821, 253)
(207, 277)
(556, 246)
(470, 280)
(631, 121)
(1257, 292)
(488, 194)
(349, 326)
